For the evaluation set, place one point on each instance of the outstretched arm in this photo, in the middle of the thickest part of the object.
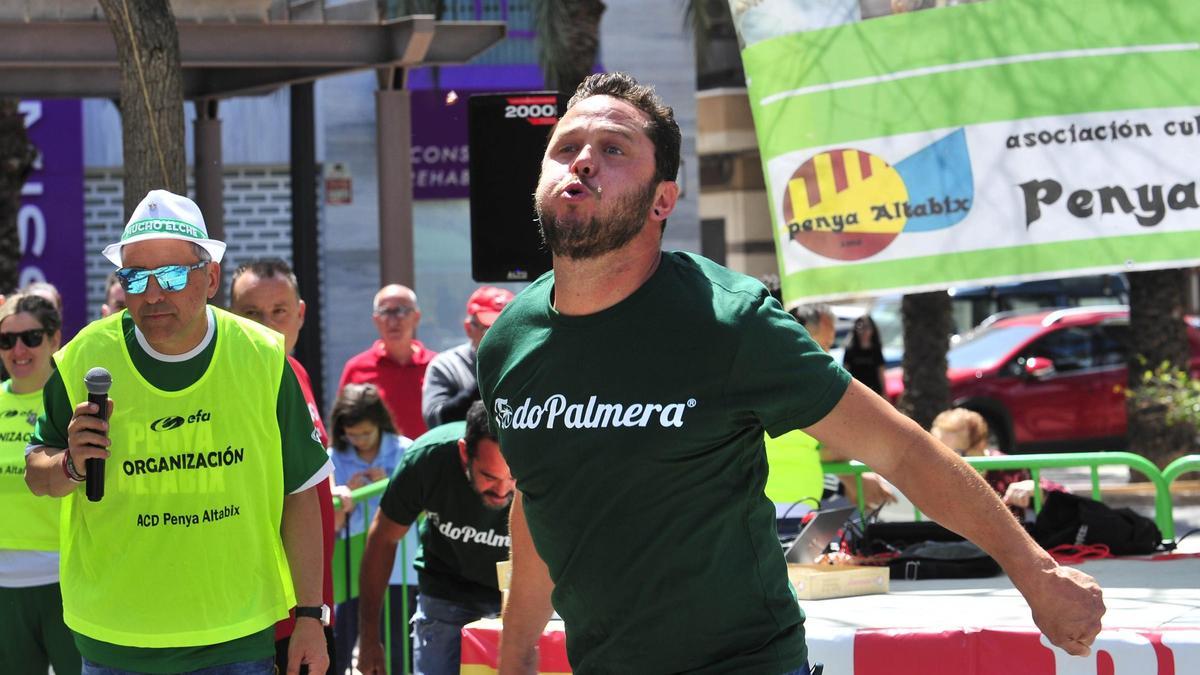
(1067, 604)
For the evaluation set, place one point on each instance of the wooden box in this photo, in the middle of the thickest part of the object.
(818, 582)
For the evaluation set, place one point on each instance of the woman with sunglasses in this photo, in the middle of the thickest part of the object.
(31, 622)
(367, 449)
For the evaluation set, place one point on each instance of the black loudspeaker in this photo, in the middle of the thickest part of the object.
(507, 134)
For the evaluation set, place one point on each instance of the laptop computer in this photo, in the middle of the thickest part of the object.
(817, 534)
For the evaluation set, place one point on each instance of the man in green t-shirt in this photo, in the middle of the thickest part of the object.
(630, 390)
(456, 476)
(203, 538)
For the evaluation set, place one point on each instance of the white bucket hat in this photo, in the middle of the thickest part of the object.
(165, 215)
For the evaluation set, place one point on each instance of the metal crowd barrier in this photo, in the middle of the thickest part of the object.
(347, 558)
(1185, 464)
(1163, 515)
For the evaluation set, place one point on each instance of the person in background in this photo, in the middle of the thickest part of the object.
(864, 354)
(31, 618)
(966, 432)
(114, 296)
(795, 481)
(397, 361)
(266, 291)
(366, 449)
(46, 290)
(450, 386)
(456, 475)
(205, 535)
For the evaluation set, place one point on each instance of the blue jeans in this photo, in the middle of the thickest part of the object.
(260, 667)
(437, 633)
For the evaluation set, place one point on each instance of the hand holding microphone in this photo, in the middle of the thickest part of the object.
(87, 434)
(98, 381)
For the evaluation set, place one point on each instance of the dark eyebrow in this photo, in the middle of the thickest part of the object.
(620, 131)
(613, 129)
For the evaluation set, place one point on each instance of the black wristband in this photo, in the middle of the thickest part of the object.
(319, 612)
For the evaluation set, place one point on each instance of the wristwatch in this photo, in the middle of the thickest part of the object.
(320, 613)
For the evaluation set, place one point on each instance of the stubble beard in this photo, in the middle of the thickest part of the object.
(483, 494)
(577, 239)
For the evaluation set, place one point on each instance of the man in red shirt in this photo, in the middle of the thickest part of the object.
(266, 291)
(396, 362)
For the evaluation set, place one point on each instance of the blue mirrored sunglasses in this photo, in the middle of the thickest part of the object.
(169, 277)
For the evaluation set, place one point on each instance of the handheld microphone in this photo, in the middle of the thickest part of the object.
(98, 381)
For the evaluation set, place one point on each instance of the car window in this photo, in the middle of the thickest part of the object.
(1112, 344)
(1069, 348)
(982, 349)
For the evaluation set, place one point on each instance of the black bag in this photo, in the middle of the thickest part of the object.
(942, 560)
(1070, 519)
(895, 537)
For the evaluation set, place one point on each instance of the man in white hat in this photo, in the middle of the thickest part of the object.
(202, 539)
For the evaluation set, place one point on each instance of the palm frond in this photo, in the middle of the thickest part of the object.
(568, 40)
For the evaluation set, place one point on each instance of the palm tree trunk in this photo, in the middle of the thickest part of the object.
(1158, 336)
(568, 40)
(151, 97)
(927, 326)
(16, 161)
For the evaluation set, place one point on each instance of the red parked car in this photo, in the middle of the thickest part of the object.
(1048, 379)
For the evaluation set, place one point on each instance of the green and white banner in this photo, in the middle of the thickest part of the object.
(976, 142)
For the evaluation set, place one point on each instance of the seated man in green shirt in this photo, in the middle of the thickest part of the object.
(456, 476)
(202, 539)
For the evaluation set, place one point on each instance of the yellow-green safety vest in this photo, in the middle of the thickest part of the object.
(184, 549)
(794, 471)
(29, 523)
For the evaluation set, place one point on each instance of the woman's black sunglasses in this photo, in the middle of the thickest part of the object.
(32, 338)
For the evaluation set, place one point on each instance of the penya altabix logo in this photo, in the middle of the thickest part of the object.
(848, 204)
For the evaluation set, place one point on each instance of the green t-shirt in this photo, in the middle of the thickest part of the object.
(461, 538)
(636, 438)
(304, 459)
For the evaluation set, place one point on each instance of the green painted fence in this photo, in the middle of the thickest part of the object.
(347, 557)
(1163, 515)
(1186, 464)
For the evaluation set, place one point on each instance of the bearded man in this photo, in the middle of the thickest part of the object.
(456, 476)
(632, 388)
